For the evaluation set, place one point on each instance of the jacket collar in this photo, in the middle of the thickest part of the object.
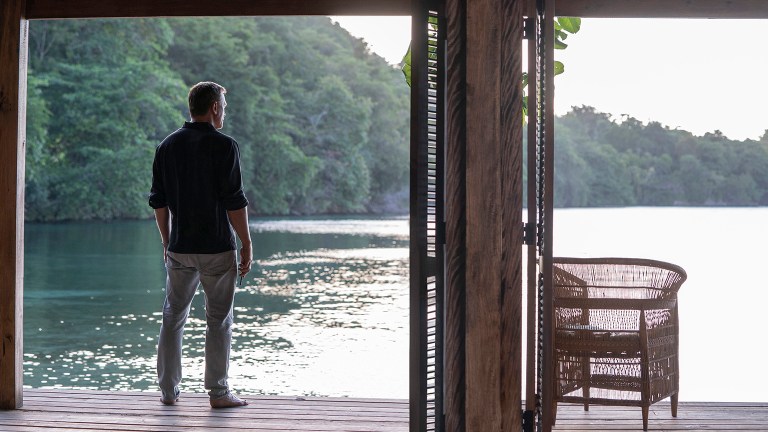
(203, 126)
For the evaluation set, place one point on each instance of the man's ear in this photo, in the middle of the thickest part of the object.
(215, 107)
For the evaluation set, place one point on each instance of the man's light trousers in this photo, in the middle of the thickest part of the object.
(217, 274)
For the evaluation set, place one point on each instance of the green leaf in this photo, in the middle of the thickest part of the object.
(559, 67)
(525, 109)
(407, 66)
(569, 24)
(525, 79)
(560, 45)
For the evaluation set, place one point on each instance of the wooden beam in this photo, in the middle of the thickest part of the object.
(13, 98)
(49, 9)
(662, 8)
(494, 212)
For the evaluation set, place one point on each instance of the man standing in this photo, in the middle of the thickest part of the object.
(198, 199)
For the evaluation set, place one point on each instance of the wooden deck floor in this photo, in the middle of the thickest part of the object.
(71, 410)
(691, 416)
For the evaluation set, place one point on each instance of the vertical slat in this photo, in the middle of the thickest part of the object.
(13, 95)
(532, 270)
(645, 387)
(511, 295)
(548, 52)
(456, 207)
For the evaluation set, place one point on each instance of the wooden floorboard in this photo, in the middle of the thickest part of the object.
(691, 416)
(55, 410)
(70, 410)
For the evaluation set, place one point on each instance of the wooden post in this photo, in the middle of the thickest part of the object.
(13, 98)
(492, 196)
(511, 198)
(455, 216)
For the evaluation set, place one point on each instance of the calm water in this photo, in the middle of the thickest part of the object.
(325, 312)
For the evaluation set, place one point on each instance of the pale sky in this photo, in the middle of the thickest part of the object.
(387, 36)
(698, 75)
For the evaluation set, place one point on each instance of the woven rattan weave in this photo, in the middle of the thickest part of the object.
(615, 332)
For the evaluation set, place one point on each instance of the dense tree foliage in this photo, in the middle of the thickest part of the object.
(604, 162)
(322, 123)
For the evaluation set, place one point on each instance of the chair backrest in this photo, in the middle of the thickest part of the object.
(617, 278)
(610, 292)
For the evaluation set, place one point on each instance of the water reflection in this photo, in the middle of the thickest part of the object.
(324, 312)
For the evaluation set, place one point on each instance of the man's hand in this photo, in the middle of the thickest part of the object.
(239, 221)
(163, 219)
(246, 258)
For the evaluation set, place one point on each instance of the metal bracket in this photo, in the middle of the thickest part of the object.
(529, 421)
(440, 232)
(529, 233)
(527, 28)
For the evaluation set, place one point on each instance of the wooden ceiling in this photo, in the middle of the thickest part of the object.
(51, 9)
(45, 9)
(662, 8)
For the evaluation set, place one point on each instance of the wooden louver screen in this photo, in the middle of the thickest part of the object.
(434, 217)
(427, 223)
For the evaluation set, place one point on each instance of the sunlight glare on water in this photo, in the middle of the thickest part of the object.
(395, 228)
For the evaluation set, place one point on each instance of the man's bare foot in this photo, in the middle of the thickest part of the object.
(228, 401)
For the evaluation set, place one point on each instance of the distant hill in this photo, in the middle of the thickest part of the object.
(600, 162)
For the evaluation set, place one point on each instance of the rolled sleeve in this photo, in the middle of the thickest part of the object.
(235, 201)
(231, 192)
(157, 200)
(157, 197)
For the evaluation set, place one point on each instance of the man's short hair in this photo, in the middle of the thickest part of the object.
(202, 95)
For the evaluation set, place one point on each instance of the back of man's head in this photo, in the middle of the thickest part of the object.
(202, 95)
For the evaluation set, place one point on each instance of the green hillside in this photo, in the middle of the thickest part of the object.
(322, 123)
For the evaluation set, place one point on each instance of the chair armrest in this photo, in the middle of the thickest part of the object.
(660, 319)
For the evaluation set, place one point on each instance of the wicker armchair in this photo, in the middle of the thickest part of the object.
(615, 332)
